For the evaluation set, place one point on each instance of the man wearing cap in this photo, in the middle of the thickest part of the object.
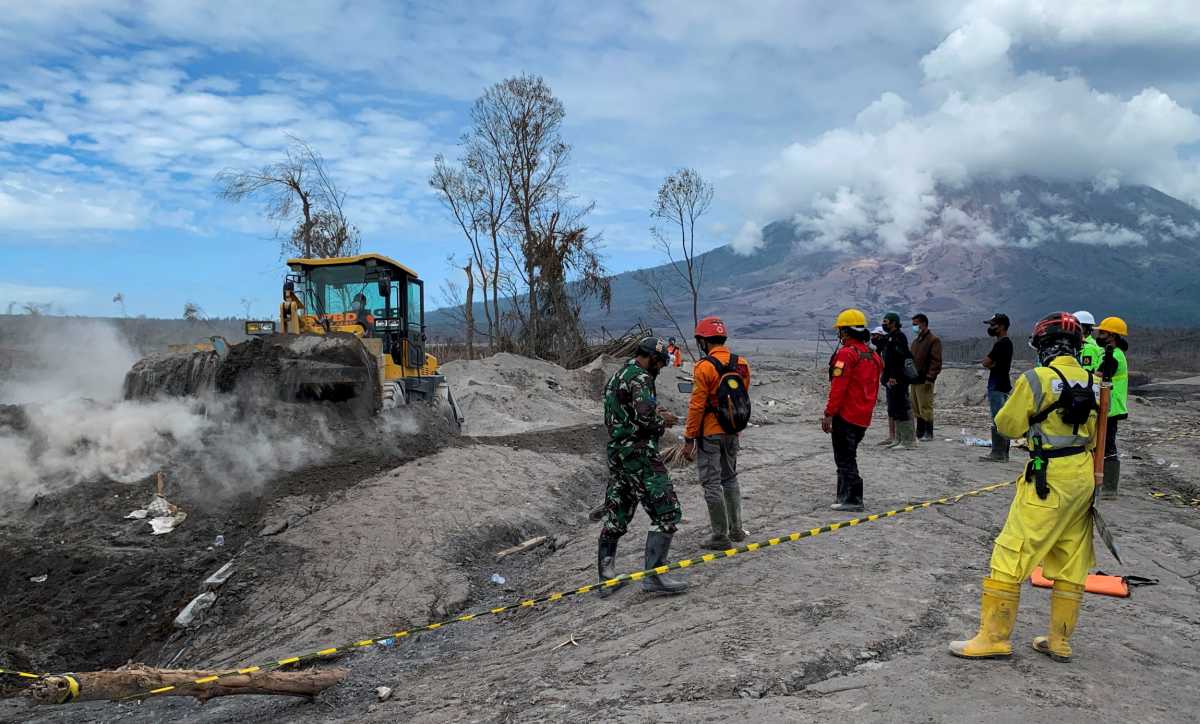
(998, 363)
(853, 390)
(895, 353)
(879, 341)
(637, 474)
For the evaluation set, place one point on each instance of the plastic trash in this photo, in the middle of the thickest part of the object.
(193, 609)
(220, 541)
(498, 579)
(40, 579)
(218, 579)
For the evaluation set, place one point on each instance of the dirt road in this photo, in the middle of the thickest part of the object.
(852, 624)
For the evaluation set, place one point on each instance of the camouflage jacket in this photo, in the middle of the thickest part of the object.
(631, 412)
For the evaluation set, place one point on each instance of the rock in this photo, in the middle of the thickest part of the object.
(383, 693)
(561, 541)
(274, 528)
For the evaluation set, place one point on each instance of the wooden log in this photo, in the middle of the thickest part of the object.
(136, 679)
(522, 547)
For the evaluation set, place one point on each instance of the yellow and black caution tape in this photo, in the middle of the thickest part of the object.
(22, 674)
(392, 638)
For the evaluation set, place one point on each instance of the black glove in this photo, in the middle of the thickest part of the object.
(1108, 365)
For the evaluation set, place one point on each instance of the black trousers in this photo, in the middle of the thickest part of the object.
(846, 438)
(1110, 440)
(897, 401)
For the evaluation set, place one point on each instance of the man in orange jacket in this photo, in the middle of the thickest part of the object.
(853, 390)
(675, 353)
(714, 448)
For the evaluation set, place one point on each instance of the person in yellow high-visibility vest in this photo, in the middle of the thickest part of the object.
(1049, 521)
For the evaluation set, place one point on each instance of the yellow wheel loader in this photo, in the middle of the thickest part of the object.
(354, 333)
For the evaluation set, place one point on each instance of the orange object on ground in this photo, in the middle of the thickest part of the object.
(1096, 583)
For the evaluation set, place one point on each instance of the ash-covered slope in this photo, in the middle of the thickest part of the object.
(1024, 246)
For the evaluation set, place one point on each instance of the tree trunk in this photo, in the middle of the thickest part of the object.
(496, 292)
(138, 679)
(469, 311)
(531, 331)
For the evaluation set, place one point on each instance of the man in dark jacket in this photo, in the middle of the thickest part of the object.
(895, 352)
(927, 355)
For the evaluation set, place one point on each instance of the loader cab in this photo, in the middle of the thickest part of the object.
(372, 296)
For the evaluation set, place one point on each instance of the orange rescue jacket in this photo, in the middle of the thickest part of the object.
(701, 421)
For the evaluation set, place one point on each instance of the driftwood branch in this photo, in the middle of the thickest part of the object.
(522, 547)
(136, 679)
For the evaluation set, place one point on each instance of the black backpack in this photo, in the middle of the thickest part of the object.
(732, 407)
(1075, 403)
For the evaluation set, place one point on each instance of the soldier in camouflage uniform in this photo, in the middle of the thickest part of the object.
(635, 425)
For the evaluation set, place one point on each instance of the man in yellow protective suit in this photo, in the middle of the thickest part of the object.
(1049, 521)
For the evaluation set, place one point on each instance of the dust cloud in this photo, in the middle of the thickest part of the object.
(63, 422)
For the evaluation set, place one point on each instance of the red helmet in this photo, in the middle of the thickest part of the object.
(711, 327)
(1059, 325)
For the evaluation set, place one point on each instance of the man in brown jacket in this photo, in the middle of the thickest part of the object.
(927, 355)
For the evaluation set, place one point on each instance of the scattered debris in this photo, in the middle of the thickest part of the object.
(138, 514)
(674, 457)
(218, 579)
(40, 579)
(569, 642)
(498, 579)
(165, 524)
(219, 541)
(383, 693)
(521, 548)
(621, 346)
(197, 605)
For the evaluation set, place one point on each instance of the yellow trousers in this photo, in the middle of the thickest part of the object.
(922, 400)
(1055, 532)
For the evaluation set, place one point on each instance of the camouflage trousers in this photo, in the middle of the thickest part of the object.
(639, 478)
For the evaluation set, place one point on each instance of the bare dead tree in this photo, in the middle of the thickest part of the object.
(192, 312)
(297, 191)
(682, 199)
(571, 269)
(467, 197)
(658, 288)
(516, 123)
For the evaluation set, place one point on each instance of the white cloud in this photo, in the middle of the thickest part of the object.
(1100, 22)
(749, 239)
(974, 53)
(18, 294)
(882, 175)
(30, 202)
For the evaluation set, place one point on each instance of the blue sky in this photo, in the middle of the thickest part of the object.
(115, 115)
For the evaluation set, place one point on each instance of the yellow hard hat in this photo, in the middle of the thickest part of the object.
(851, 318)
(1114, 325)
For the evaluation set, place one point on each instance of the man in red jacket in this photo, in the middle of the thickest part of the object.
(853, 389)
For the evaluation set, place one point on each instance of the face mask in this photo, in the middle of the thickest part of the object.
(916, 329)
(991, 331)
